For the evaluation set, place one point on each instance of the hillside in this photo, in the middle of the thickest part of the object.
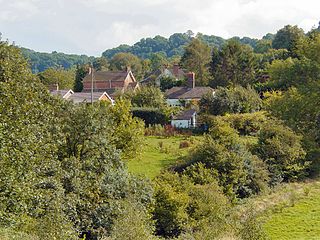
(40, 61)
(172, 46)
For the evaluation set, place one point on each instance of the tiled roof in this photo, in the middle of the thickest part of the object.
(187, 93)
(85, 97)
(185, 115)
(61, 93)
(107, 76)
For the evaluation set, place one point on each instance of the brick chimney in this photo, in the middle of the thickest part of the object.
(191, 80)
(175, 70)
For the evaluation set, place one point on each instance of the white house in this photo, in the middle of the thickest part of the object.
(179, 96)
(186, 119)
(83, 97)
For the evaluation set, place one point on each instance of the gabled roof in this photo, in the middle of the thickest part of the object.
(185, 115)
(113, 76)
(85, 97)
(108, 76)
(180, 73)
(187, 93)
(62, 93)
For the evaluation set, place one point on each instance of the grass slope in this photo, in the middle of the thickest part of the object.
(301, 219)
(158, 153)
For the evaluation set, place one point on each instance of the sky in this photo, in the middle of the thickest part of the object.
(92, 26)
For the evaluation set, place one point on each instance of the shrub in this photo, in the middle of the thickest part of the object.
(235, 99)
(183, 207)
(281, 149)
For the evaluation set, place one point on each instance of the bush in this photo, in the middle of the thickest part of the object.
(235, 99)
(281, 149)
(183, 207)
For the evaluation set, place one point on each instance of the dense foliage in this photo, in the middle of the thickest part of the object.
(61, 171)
(233, 64)
(62, 174)
(42, 61)
(234, 99)
(249, 152)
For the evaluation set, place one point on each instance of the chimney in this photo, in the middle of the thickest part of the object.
(128, 68)
(175, 70)
(191, 80)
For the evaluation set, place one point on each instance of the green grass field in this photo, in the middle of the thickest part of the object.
(158, 153)
(299, 218)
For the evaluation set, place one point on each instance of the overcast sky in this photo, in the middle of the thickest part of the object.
(92, 26)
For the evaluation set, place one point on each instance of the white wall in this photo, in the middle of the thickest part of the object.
(174, 102)
(180, 123)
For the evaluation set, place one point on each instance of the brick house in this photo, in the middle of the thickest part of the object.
(110, 82)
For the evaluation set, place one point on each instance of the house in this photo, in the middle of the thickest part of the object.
(154, 78)
(186, 119)
(85, 97)
(179, 96)
(109, 82)
(82, 97)
(62, 93)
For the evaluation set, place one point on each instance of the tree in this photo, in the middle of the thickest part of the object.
(196, 59)
(240, 173)
(60, 170)
(158, 61)
(101, 64)
(233, 64)
(287, 37)
(127, 130)
(298, 71)
(81, 72)
(147, 96)
(95, 179)
(183, 208)
(39, 61)
(235, 99)
(31, 193)
(263, 46)
(64, 78)
(281, 149)
(167, 82)
(123, 61)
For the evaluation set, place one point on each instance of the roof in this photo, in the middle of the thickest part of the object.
(185, 115)
(179, 74)
(80, 97)
(187, 93)
(62, 93)
(108, 75)
(152, 76)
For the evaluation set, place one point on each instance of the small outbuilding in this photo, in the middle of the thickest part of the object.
(186, 119)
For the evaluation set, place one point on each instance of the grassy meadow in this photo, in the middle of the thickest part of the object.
(297, 216)
(288, 212)
(159, 153)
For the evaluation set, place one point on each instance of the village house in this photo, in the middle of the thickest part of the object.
(154, 78)
(185, 119)
(61, 93)
(82, 97)
(179, 96)
(110, 82)
(85, 97)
